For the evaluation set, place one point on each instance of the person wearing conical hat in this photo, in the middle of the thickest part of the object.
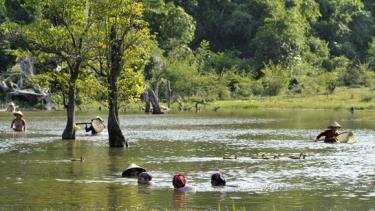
(330, 135)
(18, 124)
(96, 126)
(133, 170)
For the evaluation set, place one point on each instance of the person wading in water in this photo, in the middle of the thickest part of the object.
(330, 135)
(18, 124)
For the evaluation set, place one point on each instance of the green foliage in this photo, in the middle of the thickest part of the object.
(347, 26)
(340, 64)
(203, 48)
(367, 99)
(317, 51)
(122, 44)
(371, 53)
(358, 75)
(282, 37)
(131, 86)
(274, 79)
(328, 81)
(18, 11)
(171, 23)
(182, 71)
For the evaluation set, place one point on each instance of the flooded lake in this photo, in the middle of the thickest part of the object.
(36, 171)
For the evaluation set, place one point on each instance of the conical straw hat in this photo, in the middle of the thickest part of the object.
(18, 113)
(97, 125)
(127, 171)
(98, 118)
(334, 125)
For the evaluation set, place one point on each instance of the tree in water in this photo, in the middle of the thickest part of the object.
(122, 44)
(61, 32)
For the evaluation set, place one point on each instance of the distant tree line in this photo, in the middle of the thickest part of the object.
(225, 49)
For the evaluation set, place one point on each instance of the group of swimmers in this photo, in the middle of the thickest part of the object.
(178, 180)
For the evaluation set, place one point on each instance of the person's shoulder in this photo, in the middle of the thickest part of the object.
(187, 188)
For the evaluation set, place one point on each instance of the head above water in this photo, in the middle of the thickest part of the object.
(334, 125)
(144, 178)
(179, 180)
(218, 179)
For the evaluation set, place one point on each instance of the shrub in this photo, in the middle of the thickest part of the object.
(358, 75)
(366, 99)
(274, 79)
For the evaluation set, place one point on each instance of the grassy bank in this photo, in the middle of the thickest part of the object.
(342, 98)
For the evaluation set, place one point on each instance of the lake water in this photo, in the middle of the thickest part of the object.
(36, 171)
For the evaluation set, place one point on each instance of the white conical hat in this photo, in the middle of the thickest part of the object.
(126, 173)
(98, 125)
(98, 118)
(18, 113)
(334, 125)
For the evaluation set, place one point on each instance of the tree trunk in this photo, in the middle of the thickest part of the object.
(69, 132)
(169, 94)
(147, 103)
(116, 138)
(155, 102)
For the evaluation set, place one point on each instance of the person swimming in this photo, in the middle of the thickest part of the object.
(217, 179)
(144, 178)
(179, 183)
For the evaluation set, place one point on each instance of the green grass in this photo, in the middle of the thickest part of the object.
(342, 98)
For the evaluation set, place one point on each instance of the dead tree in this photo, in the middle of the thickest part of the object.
(198, 103)
(154, 102)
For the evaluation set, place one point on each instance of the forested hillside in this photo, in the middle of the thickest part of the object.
(210, 49)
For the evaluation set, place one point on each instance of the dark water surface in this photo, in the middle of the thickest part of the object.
(36, 171)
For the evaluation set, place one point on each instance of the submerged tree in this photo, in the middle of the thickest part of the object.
(122, 45)
(61, 31)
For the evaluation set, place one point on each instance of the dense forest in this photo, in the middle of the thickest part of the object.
(196, 49)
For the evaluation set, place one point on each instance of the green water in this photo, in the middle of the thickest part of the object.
(36, 171)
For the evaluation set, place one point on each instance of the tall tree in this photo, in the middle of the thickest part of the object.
(122, 43)
(173, 26)
(61, 30)
(282, 37)
(12, 11)
(347, 26)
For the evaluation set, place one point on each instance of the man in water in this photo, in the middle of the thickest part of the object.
(179, 183)
(330, 135)
(18, 124)
(144, 178)
(218, 179)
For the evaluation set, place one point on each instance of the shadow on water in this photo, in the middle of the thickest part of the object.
(37, 171)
